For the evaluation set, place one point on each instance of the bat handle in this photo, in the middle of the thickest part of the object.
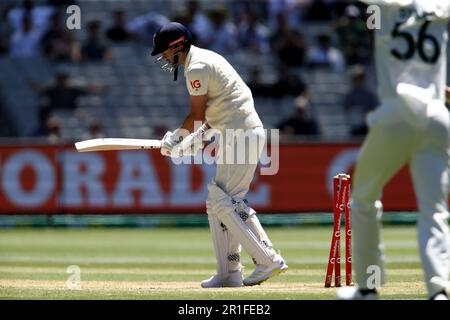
(203, 128)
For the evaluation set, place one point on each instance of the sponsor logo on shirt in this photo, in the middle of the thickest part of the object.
(196, 84)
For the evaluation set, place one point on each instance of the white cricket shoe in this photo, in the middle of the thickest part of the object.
(234, 279)
(353, 293)
(263, 272)
(440, 296)
(443, 295)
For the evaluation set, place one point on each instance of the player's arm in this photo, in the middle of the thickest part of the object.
(180, 142)
(197, 78)
(197, 81)
(198, 105)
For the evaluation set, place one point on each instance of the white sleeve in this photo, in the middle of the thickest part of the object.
(197, 78)
(441, 8)
(400, 3)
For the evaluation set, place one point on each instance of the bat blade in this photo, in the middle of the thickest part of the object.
(106, 144)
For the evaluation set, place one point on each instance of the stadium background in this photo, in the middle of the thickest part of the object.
(132, 223)
(123, 93)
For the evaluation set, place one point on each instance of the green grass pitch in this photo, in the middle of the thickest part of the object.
(169, 263)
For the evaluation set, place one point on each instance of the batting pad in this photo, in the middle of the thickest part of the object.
(248, 215)
(226, 248)
(222, 206)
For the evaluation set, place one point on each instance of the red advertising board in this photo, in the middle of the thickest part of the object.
(49, 179)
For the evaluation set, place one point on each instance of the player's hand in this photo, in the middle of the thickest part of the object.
(175, 146)
(189, 146)
(192, 143)
(168, 143)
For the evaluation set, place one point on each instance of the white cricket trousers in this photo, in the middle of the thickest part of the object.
(236, 161)
(387, 148)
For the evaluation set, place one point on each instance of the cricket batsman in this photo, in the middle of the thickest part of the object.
(410, 127)
(220, 99)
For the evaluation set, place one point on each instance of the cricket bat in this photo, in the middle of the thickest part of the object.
(106, 144)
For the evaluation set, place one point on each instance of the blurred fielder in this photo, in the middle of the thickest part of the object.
(410, 127)
(219, 96)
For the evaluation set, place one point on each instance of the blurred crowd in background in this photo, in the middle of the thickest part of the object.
(273, 29)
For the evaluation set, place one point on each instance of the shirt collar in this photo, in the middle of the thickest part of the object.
(187, 62)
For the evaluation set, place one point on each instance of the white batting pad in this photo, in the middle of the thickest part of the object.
(221, 204)
(220, 245)
(248, 215)
(226, 248)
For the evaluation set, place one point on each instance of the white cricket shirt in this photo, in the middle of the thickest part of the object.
(411, 45)
(230, 103)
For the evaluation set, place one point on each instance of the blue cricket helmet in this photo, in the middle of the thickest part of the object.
(169, 35)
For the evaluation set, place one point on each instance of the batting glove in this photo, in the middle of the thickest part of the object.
(189, 146)
(192, 143)
(168, 143)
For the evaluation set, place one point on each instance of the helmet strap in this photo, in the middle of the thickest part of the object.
(175, 72)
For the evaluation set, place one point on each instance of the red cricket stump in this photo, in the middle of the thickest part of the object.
(337, 264)
(335, 248)
(338, 218)
(341, 206)
(348, 236)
